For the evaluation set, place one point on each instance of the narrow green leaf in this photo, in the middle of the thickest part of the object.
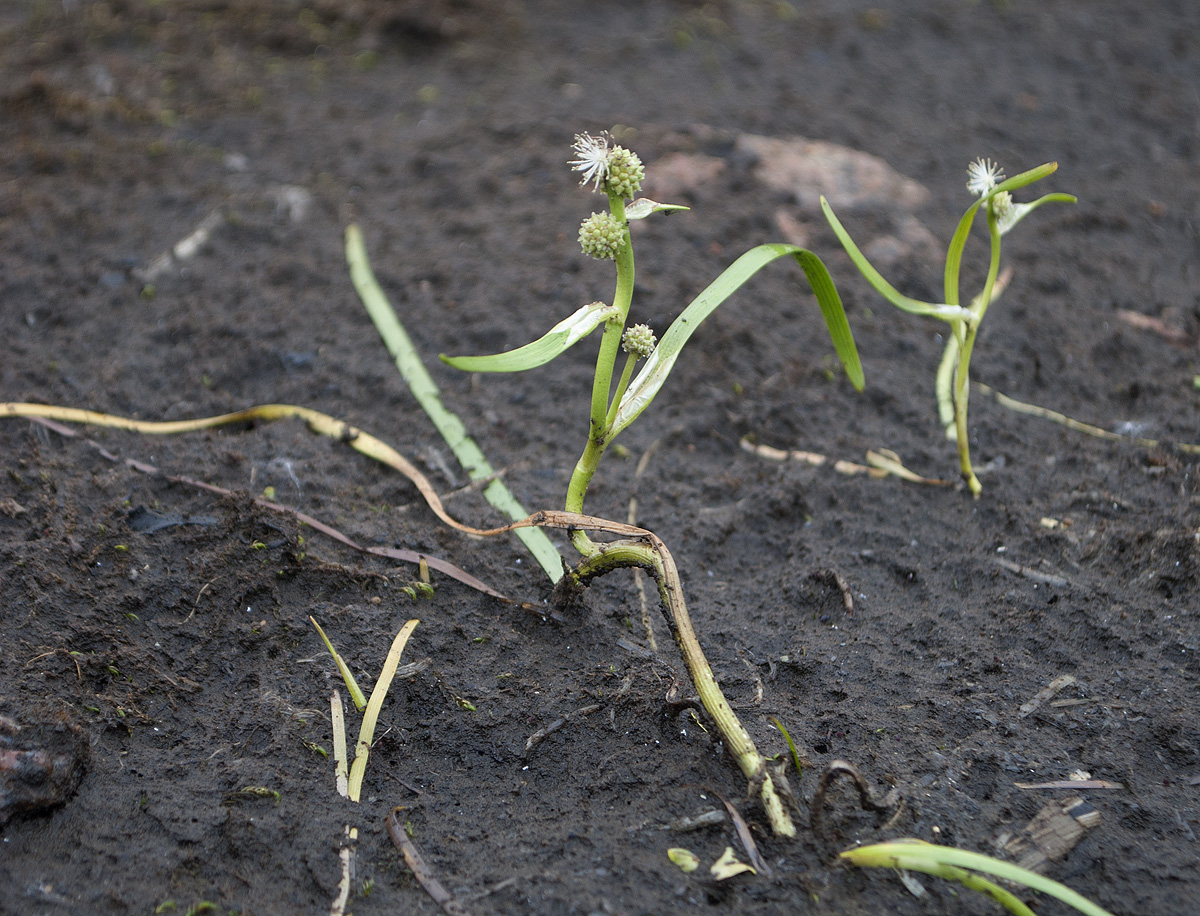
(359, 698)
(791, 745)
(955, 252)
(952, 312)
(642, 207)
(656, 369)
(419, 381)
(366, 731)
(559, 338)
(1024, 178)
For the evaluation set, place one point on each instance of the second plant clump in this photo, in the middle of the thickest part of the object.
(986, 181)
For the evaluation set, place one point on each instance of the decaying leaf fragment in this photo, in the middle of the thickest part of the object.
(728, 865)
(687, 860)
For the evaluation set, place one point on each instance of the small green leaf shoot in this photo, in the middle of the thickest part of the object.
(356, 694)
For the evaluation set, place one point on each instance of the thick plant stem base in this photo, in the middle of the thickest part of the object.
(648, 552)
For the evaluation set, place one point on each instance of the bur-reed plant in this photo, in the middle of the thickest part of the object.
(617, 172)
(985, 180)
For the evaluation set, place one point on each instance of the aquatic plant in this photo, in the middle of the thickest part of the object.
(986, 181)
(618, 173)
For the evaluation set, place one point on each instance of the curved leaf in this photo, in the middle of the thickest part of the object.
(955, 252)
(1020, 211)
(952, 312)
(656, 369)
(915, 855)
(1024, 178)
(559, 338)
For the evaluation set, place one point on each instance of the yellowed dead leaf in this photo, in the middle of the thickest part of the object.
(888, 461)
(686, 859)
(850, 469)
(727, 866)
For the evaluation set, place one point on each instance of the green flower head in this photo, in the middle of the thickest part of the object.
(639, 341)
(619, 170)
(601, 236)
(625, 173)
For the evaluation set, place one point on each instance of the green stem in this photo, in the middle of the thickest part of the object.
(962, 375)
(610, 345)
(961, 393)
(626, 375)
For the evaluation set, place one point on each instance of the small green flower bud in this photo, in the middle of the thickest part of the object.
(1001, 204)
(625, 173)
(639, 341)
(601, 236)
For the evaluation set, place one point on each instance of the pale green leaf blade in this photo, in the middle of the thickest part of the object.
(1020, 211)
(832, 311)
(558, 339)
(1024, 178)
(421, 383)
(356, 694)
(366, 731)
(955, 252)
(660, 363)
(643, 207)
(952, 312)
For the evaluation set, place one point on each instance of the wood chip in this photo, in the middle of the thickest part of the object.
(1032, 574)
(1056, 686)
(1071, 784)
(416, 864)
(1053, 832)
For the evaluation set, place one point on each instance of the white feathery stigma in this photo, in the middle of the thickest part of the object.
(983, 175)
(593, 158)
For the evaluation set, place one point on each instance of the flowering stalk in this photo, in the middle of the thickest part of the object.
(603, 407)
(986, 181)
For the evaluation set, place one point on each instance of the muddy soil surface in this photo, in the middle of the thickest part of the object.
(157, 648)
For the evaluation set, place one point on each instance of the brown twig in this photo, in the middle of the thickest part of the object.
(866, 797)
(412, 858)
(543, 733)
(743, 832)
(832, 575)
